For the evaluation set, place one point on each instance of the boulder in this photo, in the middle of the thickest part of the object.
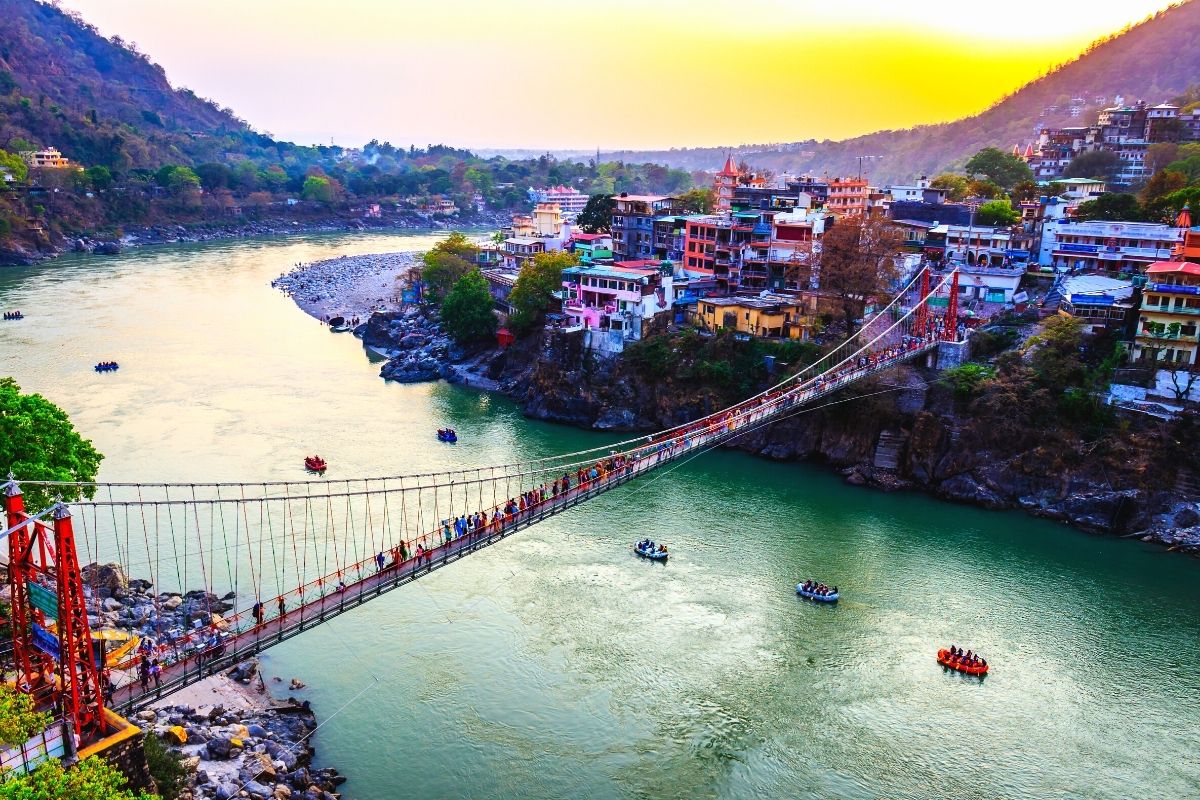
(107, 249)
(176, 735)
(219, 748)
(104, 576)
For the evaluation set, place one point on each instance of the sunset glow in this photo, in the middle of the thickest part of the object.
(529, 73)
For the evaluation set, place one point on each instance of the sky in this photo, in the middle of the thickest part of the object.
(604, 73)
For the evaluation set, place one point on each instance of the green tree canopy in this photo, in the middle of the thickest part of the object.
(319, 189)
(1114, 206)
(467, 310)
(14, 164)
(18, 719)
(90, 779)
(697, 201)
(534, 288)
(596, 216)
(38, 442)
(955, 185)
(99, 177)
(998, 213)
(1098, 164)
(1003, 169)
(447, 263)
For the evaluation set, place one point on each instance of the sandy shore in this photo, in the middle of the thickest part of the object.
(349, 286)
(222, 690)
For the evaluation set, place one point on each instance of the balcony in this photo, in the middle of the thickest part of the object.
(1166, 310)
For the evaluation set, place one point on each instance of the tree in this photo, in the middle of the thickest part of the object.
(1161, 184)
(596, 216)
(14, 164)
(997, 213)
(1003, 169)
(39, 443)
(213, 176)
(319, 189)
(967, 379)
(697, 201)
(1188, 166)
(981, 188)
(1098, 164)
(467, 310)
(90, 779)
(18, 719)
(1159, 154)
(1114, 206)
(535, 286)
(1026, 192)
(955, 185)
(99, 177)
(858, 262)
(447, 263)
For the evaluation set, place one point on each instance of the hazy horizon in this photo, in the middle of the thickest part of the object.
(534, 75)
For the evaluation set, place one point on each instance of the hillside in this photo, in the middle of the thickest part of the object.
(99, 100)
(1154, 61)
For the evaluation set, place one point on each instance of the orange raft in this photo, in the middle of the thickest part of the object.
(946, 660)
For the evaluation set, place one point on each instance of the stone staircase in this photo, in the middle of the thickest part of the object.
(888, 449)
(1187, 484)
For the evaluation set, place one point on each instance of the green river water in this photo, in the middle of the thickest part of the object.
(558, 665)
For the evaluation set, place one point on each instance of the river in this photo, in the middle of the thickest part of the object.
(558, 665)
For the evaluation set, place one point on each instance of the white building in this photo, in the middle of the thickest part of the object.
(920, 192)
(569, 199)
(1100, 246)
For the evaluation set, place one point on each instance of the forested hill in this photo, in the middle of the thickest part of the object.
(99, 100)
(1153, 61)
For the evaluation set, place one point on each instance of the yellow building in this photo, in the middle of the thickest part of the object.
(46, 159)
(1170, 309)
(769, 316)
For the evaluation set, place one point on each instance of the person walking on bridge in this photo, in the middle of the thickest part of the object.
(259, 612)
(379, 561)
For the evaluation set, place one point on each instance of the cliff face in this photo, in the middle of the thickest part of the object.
(900, 431)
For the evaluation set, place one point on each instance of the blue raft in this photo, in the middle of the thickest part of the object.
(646, 552)
(820, 598)
(447, 436)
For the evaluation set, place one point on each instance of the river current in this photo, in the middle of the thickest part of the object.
(556, 664)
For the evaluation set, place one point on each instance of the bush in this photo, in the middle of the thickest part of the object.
(165, 767)
(967, 379)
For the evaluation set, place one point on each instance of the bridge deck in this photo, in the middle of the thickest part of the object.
(249, 638)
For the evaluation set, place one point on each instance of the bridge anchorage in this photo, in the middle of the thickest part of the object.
(275, 558)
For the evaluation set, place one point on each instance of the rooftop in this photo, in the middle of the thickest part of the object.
(1173, 268)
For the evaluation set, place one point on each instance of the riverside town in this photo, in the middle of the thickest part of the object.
(744, 434)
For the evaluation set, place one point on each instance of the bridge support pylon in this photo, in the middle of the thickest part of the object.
(52, 641)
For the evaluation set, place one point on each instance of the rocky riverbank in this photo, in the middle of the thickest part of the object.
(235, 740)
(912, 436)
(353, 287)
(231, 733)
(15, 253)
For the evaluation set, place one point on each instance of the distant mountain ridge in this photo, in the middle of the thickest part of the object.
(1153, 61)
(100, 101)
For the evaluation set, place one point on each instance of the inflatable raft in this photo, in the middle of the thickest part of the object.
(646, 552)
(820, 598)
(946, 660)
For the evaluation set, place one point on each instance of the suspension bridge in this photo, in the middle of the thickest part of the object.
(238, 567)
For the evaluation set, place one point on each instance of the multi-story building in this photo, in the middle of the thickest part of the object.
(848, 197)
(1102, 303)
(615, 304)
(766, 316)
(545, 221)
(1166, 329)
(920, 192)
(570, 200)
(1102, 246)
(520, 250)
(633, 224)
(49, 158)
(591, 248)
